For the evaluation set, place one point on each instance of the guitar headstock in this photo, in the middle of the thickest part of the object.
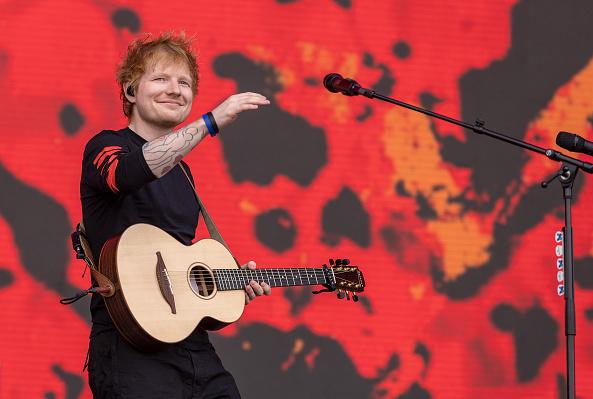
(348, 279)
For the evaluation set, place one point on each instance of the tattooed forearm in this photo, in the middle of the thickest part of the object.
(164, 153)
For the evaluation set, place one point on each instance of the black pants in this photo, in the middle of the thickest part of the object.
(117, 370)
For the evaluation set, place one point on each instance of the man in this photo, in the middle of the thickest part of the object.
(134, 175)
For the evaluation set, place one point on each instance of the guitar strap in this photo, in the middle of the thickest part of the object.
(83, 251)
(212, 230)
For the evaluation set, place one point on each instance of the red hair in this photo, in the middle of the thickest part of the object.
(147, 51)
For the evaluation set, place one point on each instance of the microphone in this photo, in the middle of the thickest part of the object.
(335, 83)
(575, 143)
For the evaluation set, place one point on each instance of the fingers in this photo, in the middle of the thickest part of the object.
(250, 97)
(230, 108)
(255, 289)
(250, 291)
(251, 265)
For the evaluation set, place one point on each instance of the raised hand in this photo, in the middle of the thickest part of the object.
(226, 112)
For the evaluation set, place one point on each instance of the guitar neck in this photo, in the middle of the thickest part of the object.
(237, 279)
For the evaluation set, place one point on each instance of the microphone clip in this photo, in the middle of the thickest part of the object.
(353, 88)
(566, 175)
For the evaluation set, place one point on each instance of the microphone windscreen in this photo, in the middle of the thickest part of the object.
(329, 80)
(567, 140)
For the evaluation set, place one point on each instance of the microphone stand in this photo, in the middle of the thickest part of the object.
(566, 174)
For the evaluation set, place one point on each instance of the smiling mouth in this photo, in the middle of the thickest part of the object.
(170, 103)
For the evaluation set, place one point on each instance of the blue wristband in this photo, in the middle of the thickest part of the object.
(209, 125)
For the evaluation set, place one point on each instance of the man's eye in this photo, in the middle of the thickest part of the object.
(183, 82)
(159, 79)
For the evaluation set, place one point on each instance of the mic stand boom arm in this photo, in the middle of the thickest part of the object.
(478, 127)
(567, 173)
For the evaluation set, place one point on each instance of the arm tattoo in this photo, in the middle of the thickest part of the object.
(164, 153)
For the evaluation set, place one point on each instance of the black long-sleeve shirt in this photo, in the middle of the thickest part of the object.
(118, 189)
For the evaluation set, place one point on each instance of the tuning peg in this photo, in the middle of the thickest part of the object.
(355, 297)
(340, 295)
(338, 262)
(347, 295)
(331, 261)
(345, 262)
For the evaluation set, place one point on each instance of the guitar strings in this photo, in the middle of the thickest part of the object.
(267, 272)
(246, 275)
(243, 276)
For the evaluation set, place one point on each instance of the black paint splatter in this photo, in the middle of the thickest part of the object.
(312, 81)
(425, 210)
(71, 119)
(400, 189)
(386, 82)
(365, 302)
(275, 229)
(6, 277)
(415, 392)
(345, 4)
(561, 384)
(429, 100)
(270, 142)
(590, 120)
(368, 60)
(366, 113)
(402, 50)
(396, 241)
(535, 335)
(392, 365)
(126, 18)
(39, 225)
(282, 371)
(422, 350)
(345, 216)
(583, 272)
(298, 298)
(73, 383)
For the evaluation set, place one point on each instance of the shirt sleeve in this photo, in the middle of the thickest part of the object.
(109, 165)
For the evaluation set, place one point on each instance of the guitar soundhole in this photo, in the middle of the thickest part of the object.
(201, 280)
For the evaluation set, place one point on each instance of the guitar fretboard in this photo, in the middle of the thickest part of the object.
(237, 279)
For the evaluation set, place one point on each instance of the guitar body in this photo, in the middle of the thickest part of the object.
(164, 289)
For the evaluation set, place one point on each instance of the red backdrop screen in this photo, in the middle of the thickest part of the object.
(454, 235)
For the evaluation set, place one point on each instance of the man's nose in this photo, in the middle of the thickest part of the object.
(173, 87)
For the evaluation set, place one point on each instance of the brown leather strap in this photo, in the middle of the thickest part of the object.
(85, 245)
(212, 230)
(106, 287)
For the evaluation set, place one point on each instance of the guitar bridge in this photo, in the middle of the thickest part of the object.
(164, 281)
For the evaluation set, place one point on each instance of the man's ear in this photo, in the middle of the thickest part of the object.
(129, 93)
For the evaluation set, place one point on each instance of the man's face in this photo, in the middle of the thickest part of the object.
(164, 96)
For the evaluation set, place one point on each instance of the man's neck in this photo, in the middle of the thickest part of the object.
(147, 131)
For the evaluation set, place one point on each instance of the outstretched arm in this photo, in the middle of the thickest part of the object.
(163, 153)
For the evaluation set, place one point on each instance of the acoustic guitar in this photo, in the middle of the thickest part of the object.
(164, 289)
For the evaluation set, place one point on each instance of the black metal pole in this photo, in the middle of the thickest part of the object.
(567, 181)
